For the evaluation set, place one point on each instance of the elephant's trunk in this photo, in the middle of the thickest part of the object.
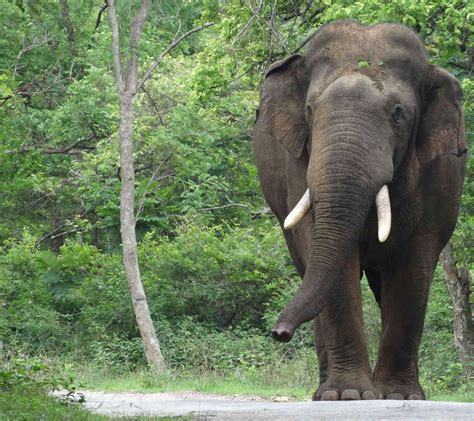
(348, 166)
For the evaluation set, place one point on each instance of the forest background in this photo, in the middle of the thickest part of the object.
(214, 264)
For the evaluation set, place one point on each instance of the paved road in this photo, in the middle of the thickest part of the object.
(213, 407)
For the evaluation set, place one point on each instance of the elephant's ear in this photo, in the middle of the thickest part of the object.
(281, 112)
(441, 129)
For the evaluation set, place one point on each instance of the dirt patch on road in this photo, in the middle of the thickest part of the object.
(175, 396)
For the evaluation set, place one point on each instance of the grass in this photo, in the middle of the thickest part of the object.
(22, 406)
(295, 378)
(459, 396)
(19, 405)
(211, 382)
(143, 381)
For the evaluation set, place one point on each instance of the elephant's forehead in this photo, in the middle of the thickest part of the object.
(349, 44)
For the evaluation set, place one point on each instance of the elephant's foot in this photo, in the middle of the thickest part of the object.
(347, 387)
(398, 388)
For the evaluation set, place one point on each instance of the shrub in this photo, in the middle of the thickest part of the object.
(28, 315)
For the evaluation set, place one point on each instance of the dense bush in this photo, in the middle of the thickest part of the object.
(219, 277)
(28, 315)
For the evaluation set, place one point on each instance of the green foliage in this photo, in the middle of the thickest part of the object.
(25, 406)
(214, 275)
(27, 314)
(26, 384)
(30, 374)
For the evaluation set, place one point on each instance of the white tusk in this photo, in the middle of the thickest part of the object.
(384, 213)
(299, 211)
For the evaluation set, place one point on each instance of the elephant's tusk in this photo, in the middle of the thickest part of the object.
(384, 213)
(299, 211)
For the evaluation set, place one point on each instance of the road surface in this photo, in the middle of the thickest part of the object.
(198, 406)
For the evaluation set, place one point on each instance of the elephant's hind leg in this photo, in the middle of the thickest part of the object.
(349, 376)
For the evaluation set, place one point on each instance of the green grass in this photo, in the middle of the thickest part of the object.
(16, 405)
(460, 396)
(144, 381)
(21, 406)
(293, 377)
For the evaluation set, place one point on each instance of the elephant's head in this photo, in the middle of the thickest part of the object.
(367, 108)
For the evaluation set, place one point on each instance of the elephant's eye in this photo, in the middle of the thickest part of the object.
(397, 113)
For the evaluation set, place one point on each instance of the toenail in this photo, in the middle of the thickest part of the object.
(330, 395)
(350, 395)
(395, 396)
(415, 397)
(368, 396)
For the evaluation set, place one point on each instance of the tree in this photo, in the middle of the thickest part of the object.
(128, 86)
(457, 282)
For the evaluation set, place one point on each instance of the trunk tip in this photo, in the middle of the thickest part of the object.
(283, 332)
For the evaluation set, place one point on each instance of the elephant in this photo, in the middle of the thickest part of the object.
(360, 149)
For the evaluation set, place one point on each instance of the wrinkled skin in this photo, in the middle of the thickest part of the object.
(363, 108)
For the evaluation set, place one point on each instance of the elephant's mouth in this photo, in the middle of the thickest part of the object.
(382, 203)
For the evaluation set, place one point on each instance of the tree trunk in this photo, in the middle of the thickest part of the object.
(129, 241)
(127, 89)
(69, 27)
(458, 286)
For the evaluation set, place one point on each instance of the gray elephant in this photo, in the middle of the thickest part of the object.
(360, 148)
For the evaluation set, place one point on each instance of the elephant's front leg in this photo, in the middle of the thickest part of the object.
(348, 372)
(321, 351)
(404, 297)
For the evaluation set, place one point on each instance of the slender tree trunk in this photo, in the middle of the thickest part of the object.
(457, 282)
(126, 87)
(129, 241)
